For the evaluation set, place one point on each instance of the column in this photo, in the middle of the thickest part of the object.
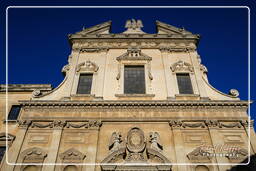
(250, 132)
(14, 150)
(54, 146)
(217, 140)
(178, 144)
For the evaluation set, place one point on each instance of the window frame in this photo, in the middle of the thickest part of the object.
(191, 83)
(92, 75)
(124, 79)
(11, 110)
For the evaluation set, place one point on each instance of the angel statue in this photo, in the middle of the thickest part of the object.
(154, 140)
(115, 141)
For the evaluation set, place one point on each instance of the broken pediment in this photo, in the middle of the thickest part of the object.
(134, 54)
(71, 155)
(103, 28)
(163, 28)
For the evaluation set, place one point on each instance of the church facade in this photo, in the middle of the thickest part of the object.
(129, 101)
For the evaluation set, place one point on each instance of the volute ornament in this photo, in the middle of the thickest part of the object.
(36, 93)
(234, 92)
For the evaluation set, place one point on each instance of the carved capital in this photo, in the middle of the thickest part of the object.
(24, 123)
(175, 123)
(212, 123)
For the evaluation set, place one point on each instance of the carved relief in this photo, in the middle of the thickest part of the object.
(65, 69)
(72, 155)
(182, 66)
(135, 149)
(238, 155)
(234, 92)
(154, 140)
(89, 125)
(115, 141)
(36, 93)
(199, 155)
(87, 66)
(134, 54)
(33, 155)
(24, 123)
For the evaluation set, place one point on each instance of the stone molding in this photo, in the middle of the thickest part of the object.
(141, 103)
(206, 124)
(60, 124)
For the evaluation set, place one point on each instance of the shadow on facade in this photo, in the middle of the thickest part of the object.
(250, 167)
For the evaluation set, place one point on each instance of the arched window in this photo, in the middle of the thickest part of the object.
(31, 168)
(70, 168)
(201, 168)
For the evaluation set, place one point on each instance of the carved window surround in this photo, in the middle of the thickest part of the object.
(181, 67)
(134, 56)
(87, 67)
(32, 155)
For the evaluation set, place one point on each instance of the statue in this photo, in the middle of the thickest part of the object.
(154, 140)
(115, 141)
(133, 26)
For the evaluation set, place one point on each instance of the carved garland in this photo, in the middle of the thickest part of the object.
(182, 66)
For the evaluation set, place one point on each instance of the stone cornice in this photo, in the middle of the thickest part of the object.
(161, 103)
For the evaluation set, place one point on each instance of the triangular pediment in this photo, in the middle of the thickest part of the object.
(103, 28)
(163, 28)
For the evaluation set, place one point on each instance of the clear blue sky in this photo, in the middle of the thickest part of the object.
(38, 46)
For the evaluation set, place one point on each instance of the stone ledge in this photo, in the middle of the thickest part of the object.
(134, 95)
(25, 87)
(187, 97)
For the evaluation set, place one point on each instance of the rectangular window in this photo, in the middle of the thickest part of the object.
(134, 79)
(14, 112)
(184, 83)
(2, 151)
(84, 84)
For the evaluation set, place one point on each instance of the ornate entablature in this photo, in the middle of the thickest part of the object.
(168, 38)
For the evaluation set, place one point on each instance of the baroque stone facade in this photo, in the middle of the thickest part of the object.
(107, 129)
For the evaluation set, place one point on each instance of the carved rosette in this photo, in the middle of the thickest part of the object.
(175, 123)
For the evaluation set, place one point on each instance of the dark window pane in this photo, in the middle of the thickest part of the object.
(14, 112)
(184, 84)
(2, 151)
(134, 80)
(84, 84)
